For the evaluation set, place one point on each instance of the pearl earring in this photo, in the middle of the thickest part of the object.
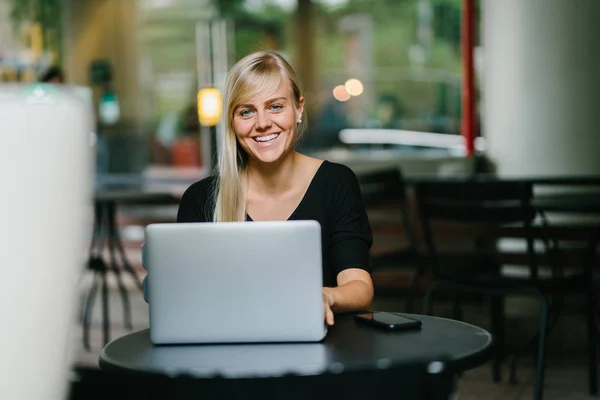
(300, 120)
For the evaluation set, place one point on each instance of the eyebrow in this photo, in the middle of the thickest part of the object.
(270, 101)
(275, 99)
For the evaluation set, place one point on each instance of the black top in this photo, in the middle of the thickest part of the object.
(333, 199)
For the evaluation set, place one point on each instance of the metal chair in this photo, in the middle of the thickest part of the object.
(106, 232)
(385, 187)
(576, 255)
(483, 207)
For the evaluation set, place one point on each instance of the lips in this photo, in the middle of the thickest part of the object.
(266, 138)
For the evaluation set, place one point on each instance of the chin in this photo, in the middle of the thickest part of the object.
(268, 158)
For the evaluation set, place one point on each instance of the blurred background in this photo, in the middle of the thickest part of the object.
(148, 55)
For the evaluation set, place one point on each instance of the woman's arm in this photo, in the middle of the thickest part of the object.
(350, 245)
(353, 293)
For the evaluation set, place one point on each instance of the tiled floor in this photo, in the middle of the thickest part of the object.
(566, 373)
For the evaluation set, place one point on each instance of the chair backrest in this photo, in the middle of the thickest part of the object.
(490, 203)
(388, 187)
(572, 215)
(476, 201)
(381, 186)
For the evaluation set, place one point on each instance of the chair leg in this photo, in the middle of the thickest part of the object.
(498, 330)
(456, 308)
(479, 299)
(592, 337)
(105, 309)
(87, 311)
(541, 352)
(512, 370)
(112, 239)
(427, 300)
(124, 261)
(95, 265)
(412, 289)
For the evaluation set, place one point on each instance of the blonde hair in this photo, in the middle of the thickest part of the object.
(252, 76)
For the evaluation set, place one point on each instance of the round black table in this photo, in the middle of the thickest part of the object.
(348, 347)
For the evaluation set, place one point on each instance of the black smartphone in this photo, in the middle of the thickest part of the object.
(388, 320)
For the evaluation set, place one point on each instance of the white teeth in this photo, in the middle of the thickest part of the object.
(266, 138)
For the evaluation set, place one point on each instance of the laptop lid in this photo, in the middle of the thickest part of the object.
(235, 282)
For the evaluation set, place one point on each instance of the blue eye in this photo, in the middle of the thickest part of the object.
(276, 107)
(245, 113)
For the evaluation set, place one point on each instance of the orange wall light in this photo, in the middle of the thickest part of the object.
(210, 106)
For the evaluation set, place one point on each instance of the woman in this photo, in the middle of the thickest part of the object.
(262, 178)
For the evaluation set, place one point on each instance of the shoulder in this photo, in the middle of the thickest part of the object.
(197, 201)
(202, 189)
(338, 183)
(338, 173)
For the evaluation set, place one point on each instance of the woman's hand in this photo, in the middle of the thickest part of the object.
(328, 303)
(353, 293)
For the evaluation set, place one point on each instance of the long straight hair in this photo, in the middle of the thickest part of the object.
(254, 75)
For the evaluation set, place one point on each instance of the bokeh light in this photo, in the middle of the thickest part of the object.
(354, 87)
(340, 93)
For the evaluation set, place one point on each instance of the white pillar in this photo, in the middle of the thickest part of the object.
(541, 86)
(46, 174)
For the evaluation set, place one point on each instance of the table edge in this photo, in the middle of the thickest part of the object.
(473, 360)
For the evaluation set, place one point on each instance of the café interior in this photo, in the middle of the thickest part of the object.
(471, 125)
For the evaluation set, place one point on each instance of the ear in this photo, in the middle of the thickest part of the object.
(300, 108)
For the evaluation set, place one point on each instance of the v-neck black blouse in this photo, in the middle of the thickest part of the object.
(333, 199)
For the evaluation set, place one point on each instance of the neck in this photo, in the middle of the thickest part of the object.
(275, 177)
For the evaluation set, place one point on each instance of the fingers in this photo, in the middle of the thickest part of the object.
(327, 302)
(328, 316)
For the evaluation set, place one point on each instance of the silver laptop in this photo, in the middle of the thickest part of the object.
(235, 282)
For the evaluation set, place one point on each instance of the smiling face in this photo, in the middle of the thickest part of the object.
(266, 126)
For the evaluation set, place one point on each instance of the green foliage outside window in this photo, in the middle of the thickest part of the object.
(45, 12)
(395, 24)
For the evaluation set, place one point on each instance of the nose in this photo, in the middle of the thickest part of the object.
(263, 120)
